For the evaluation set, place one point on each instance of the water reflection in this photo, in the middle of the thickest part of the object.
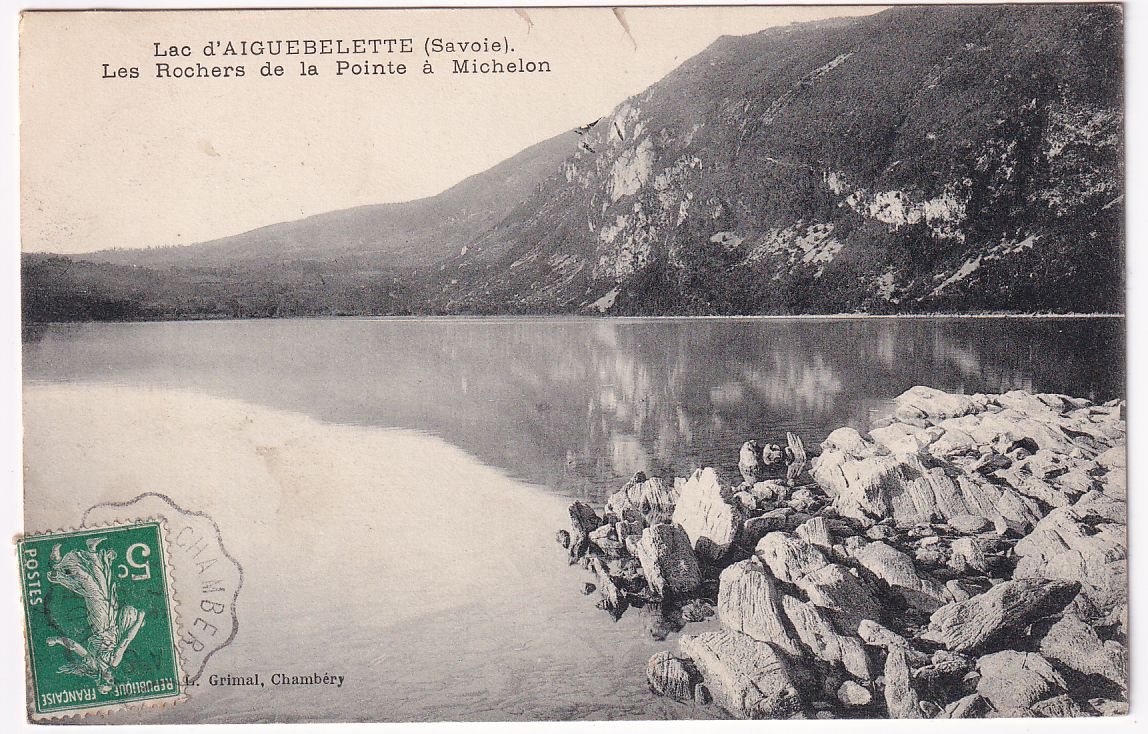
(577, 405)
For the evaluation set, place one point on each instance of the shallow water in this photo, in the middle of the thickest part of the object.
(578, 405)
(423, 566)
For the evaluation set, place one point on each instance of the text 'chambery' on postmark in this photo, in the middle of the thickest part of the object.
(100, 619)
(206, 578)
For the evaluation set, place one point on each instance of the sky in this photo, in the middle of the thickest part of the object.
(139, 162)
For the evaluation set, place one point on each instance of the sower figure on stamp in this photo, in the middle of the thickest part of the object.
(111, 627)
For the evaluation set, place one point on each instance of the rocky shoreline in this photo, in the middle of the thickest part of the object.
(965, 558)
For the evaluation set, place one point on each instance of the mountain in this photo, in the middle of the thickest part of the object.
(409, 234)
(926, 158)
(921, 159)
(360, 261)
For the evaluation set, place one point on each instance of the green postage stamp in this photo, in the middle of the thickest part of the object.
(99, 618)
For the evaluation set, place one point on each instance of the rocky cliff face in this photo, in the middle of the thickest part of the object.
(941, 158)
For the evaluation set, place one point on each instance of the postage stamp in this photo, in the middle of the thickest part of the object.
(99, 616)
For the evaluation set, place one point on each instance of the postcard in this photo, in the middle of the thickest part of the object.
(587, 363)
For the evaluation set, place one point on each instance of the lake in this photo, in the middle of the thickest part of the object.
(577, 406)
(434, 459)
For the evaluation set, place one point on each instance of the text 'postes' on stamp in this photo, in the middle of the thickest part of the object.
(99, 623)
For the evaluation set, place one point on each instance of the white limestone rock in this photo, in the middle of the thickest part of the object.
(1012, 680)
(992, 617)
(1081, 546)
(671, 676)
(668, 561)
(900, 698)
(648, 501)
(897, 569)
(708, 514)
(748, 678)
(932, 403)
(749, 602)
(818, 633)
(1074, 644)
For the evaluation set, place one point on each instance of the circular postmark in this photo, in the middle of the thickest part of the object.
(206, 578)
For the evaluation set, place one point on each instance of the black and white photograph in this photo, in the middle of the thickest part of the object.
(569, 364)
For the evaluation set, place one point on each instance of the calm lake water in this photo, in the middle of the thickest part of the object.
(578, 405)
(392, 488)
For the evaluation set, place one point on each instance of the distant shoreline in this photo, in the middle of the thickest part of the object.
(604, 317)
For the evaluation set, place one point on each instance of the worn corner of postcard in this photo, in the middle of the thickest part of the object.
(100, 620)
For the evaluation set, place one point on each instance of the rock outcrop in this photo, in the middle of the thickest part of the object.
(671, 676)
(819, 635)
(708, 514)
(749, 602)
(1012, 681)
(965, 558)
(1001, 612)
(1074, 644)
(749, 678)
(828, 585)
(900, 573)
(900, 698)
(1079, 544)
(583, 521)
(668, 561)
(642, 500)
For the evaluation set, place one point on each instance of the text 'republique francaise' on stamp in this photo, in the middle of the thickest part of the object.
(100, 621)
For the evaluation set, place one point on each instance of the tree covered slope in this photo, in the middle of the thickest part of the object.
(926, 158)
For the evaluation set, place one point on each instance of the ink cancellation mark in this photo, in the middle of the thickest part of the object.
(207, 578)
(99, 616)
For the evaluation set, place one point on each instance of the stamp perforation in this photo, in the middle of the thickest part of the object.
(172, 608)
